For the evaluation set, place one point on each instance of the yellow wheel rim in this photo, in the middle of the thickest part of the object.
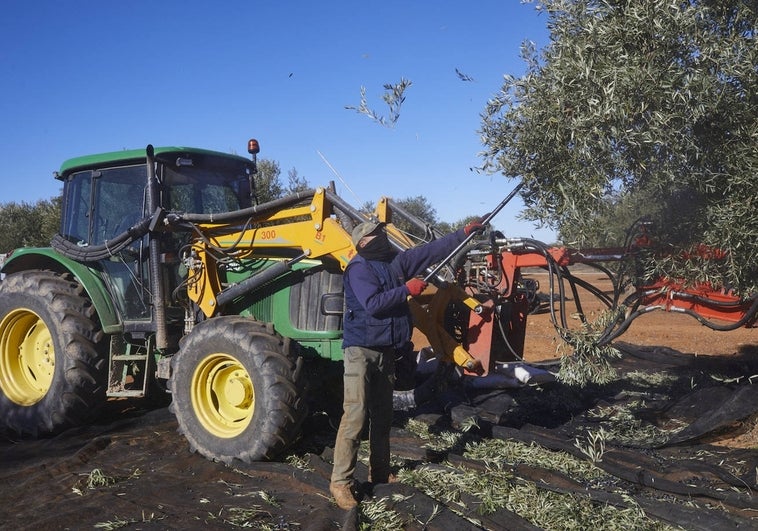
(27, 357)
(222, 394)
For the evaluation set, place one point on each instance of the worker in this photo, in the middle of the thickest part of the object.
(377, 328)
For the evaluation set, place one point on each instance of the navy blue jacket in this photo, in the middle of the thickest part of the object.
(376, 307)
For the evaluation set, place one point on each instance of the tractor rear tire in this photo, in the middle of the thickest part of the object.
(53, 373)
(236, 390)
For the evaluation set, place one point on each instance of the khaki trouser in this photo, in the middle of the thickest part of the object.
(369, 381)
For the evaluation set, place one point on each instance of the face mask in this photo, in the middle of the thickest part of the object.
(379, 248)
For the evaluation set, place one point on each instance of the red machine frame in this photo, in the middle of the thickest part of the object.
(497, 276)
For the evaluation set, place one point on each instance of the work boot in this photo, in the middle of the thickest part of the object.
(343, 495)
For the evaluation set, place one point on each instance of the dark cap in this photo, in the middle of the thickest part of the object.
(364, 229)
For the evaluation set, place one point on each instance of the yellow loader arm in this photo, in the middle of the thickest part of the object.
(313, 230)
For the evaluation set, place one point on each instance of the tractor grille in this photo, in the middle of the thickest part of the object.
(316, 303)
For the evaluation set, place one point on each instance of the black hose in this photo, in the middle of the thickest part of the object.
(254, 282)
(237, 215)
(572, 280)
(554, 273)
(594, 290)
(749, 317)
(94, 253)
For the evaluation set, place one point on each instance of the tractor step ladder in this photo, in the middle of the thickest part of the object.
(129, 367)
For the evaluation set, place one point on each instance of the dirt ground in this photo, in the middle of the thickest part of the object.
(132, 470)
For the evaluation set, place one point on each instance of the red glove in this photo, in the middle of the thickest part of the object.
(416, 286)
(473, 226)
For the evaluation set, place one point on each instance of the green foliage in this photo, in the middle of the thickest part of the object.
(638, 109)
(29, 225)
(295, 182)
(394, 96)
(268, 184)
(587, 361)
(420, 207)
(268, 181)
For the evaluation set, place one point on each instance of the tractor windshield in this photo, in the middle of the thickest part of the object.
(99, 204)
(205, 185)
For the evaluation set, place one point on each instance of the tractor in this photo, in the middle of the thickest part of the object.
(168, 278)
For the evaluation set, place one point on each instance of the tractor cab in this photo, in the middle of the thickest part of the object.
(104, 196)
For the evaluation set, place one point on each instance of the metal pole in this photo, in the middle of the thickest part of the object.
(156, 276)
(485, 221)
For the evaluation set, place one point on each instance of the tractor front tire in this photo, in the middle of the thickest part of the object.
(52, 366)
(236, 390)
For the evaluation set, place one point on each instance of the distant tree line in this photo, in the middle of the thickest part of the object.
(29, 224)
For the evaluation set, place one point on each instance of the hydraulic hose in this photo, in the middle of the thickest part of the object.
(93, 253)
(258, 210)
(256, 281)
(749, 317)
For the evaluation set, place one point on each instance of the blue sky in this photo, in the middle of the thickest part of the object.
(85, 77)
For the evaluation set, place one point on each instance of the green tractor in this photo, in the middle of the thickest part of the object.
(168, 279)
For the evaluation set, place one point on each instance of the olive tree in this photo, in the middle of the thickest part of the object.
(29, 224)
(639, 109)
(268, 185)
